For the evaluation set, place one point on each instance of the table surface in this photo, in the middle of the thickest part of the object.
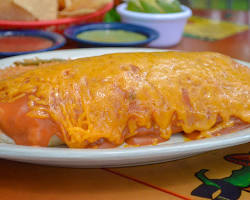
(236, 46)
(170, 180)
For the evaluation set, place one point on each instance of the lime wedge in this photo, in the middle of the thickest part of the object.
(150, 6)
(169, 6)
(134, 5)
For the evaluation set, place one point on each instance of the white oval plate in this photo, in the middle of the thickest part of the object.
(175, 148)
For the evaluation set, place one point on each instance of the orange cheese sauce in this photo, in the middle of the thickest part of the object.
(117, 98)
(23, 129)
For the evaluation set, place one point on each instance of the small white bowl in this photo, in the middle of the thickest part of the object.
(170, 25)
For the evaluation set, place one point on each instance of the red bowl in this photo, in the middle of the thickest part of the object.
(57, 25)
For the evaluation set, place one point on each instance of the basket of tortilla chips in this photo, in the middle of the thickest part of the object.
(52, 15)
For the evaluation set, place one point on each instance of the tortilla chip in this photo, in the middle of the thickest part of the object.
(64, 4)
(10, 11)
(81, 7)
(68, 3)
(40, 9)
(61, 4)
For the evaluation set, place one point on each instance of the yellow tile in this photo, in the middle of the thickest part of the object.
(178, 176)
(33, 182)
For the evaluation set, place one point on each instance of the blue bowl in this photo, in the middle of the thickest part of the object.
(73, 31)
(58, 40)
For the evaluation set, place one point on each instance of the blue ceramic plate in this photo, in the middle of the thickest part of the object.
(58, 40)
(73, 31)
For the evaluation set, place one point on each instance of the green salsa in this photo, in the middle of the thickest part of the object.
(111, 36)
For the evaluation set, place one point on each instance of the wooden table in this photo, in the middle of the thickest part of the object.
(236, 46)
(174, 180)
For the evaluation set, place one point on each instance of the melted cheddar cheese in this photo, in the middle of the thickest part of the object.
(112, 96)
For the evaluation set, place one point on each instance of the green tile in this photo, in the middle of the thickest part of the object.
(201, 4)
(240, 5)
(221, 4)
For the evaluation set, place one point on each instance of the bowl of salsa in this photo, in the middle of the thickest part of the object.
(19, 42)
(111, 35)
